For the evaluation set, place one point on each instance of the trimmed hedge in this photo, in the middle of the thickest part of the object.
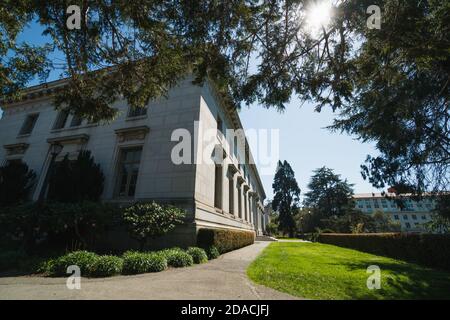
(106, 266)
(212, 253)
(82, 259)
(224, 239)
(432, 250)
(139, 262)
(197, 254)
(177, 258)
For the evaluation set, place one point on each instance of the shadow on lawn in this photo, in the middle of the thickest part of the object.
(400, 281)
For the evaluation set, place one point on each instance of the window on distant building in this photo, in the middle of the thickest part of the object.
(129, 162)
(405, 217)
(29, 123)
(76, 121)
(408, 225)
(61, 120)
(414, 217)
(137, 112)
(424, 217)
(396, 217)
(218, 187)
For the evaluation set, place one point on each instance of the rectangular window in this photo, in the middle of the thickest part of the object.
(76, 121)
(408, 225)
(61, 120)
(219, 125)
(218, 187)
(137, 112)
(396, 217)
(405, 217)
(424, 217)
(414, 217)
(239, 202)
(29, 123)
(231, 194)
(129, 161)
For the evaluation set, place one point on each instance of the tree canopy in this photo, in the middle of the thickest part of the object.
(329, 194)
(388, 85)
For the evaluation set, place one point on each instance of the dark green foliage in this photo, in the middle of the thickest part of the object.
(286, 197)
(329, 195)
(427, 249)
(83, 259)
(11, 259)
(212, 252)
(16, 182)
(145, 221)
(139, 262)
(76, 181)
(198, 254)
(60, 225)
(177, 258)
(106, 266)
(224, 239)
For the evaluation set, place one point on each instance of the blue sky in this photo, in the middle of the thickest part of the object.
(304, 141)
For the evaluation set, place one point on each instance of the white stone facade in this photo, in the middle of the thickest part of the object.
(192, 186)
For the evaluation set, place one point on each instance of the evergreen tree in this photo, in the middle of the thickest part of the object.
(329, 195)
(286, 197)
(390, 85)
(16, 182)
(76, 181)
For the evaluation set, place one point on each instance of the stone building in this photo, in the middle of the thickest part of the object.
(135, 153)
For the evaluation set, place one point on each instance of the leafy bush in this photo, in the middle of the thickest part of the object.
(106, 266)
(224, 239)
(431, 250)
(212, 252)
(150, 220)
(138, 262)
(57, 225)
(83, 259)
(16, 182)
(177, 258)
(197, 254)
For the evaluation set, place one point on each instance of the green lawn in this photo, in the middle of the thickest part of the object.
(320, 271)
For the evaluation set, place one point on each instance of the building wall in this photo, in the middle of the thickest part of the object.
(411, 217)
(190, 185)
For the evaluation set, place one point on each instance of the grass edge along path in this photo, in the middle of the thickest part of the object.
(321, 271)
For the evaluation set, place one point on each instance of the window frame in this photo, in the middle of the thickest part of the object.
(119, 172)
(26, 123)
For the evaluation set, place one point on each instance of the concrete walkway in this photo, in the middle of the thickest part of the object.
(224, 278)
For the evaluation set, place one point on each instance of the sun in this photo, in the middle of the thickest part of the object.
(318, 15)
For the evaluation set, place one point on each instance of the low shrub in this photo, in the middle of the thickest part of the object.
(431, 250)
(177, 258)
(197, 254)
(82, 259)
(224, 239)
(106, 266)
(140, 262)
(212, 252)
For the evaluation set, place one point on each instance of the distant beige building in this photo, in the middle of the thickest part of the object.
(135, 151)
(411, 218)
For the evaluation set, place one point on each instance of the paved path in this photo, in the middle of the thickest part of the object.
(223, 278)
